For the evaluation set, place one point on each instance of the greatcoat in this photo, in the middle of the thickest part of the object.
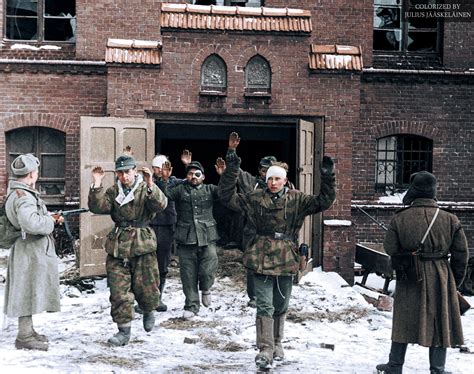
(32, 281)
(427, 313)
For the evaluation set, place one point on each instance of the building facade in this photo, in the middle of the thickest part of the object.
(383, 95)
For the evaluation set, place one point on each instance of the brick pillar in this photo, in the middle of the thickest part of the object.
(339, 249)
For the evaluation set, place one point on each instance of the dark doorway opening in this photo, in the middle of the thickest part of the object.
(209, 141)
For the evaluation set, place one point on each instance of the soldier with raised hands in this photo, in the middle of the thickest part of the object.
(196, 234)
(275, 214)
(131, 265)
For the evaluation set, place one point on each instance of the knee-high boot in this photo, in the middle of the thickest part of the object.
(437, 360)
(162, 307)
(396, 359)
(278, 329)
(265, 343)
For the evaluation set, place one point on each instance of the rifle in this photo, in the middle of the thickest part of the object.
(380, 224)
(67, 213)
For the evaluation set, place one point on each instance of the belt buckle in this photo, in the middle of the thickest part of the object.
(279, 235)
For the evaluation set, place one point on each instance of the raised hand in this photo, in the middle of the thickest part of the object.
(220, 165)
(234, 140)
(97, 175)
(147, 176)
(166, 170)
(186, 157)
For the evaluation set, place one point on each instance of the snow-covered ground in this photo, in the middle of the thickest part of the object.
(330, 329)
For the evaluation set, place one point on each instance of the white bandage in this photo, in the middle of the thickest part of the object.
(275, 171)
(158, 161)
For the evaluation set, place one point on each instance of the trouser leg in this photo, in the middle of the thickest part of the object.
(145, 281)
(119, 280)
(437, 360)
(207, 263)
(250, 285)
(188, 271)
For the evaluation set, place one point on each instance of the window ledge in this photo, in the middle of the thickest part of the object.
(257, 94)
(213, 93)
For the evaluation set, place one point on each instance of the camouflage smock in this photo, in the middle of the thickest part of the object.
(138, 238)
(264, 254)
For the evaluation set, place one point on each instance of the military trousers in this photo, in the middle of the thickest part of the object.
(164, 246)
(138, 279)
(272, 294)
(197, 268)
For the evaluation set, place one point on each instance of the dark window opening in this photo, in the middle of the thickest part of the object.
(258, 75)
(400, 156)
(41, 20)
(399, 26)
(49, 146)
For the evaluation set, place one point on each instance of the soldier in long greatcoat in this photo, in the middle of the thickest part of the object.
(131, 265)
(426, 312)
(32, 280)
(276, 215)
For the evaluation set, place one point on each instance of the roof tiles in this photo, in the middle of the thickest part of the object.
(202, 17)
(126, 51)
(335, 57)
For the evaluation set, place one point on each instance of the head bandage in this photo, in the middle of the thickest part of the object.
(275, 171)
(158, 161)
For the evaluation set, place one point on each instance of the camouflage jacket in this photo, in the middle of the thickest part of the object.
(196, 224)
(265, 254)
(132, 235)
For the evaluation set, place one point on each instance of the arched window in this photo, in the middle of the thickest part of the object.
(49, 146)
(398, 157)
(258, 75)
(213, 74)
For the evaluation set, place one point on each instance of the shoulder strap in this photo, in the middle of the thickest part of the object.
(430, 226)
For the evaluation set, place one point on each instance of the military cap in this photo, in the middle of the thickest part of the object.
(28, 164)
(125, 162)
(194, 165)
(267, 161)
(422, 185)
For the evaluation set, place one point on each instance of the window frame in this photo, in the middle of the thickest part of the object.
(40, 24)
(40, 153)
(404, 6)
(255, 89)
(213, 89)
(396, 158)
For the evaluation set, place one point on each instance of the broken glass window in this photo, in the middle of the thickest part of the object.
(258, 75)
(214, 74)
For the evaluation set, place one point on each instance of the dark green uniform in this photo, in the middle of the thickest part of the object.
(195, 235)
(276, 220)
(132, 269)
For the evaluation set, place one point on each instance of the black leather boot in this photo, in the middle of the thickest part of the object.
(437, 360)
(396, 360)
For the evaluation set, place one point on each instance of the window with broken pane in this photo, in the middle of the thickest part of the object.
(399, 26)
(49, 146)
(398, 157)
(40, 20)
(214, 74)
(258, 75)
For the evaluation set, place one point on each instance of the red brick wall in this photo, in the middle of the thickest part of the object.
(122, 19)
(51, 100)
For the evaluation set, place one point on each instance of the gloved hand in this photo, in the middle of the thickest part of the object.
(327, 166)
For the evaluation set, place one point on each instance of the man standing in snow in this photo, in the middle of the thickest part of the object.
(196, 234)
(32, 280)
(276, 215)
(131, 265)
(426, 312)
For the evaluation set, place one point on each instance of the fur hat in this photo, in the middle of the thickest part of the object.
(125, 162)
(422, 185)
(24, 164)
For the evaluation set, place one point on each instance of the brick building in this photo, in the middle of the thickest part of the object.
(383, 95)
